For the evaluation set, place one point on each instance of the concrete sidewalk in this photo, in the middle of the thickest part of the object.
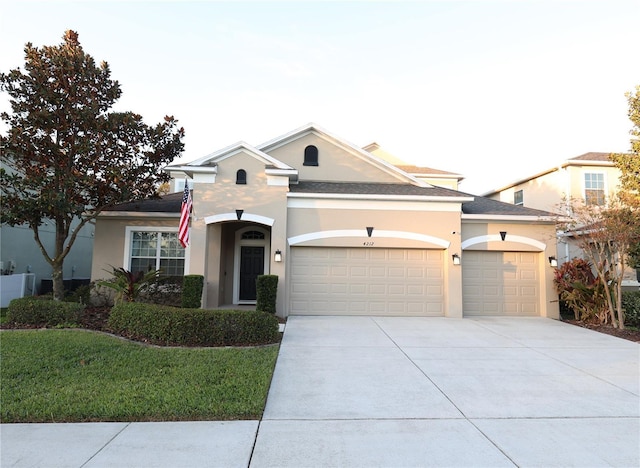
(381, 391)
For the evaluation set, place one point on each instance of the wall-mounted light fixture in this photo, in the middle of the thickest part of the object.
(456, 259)
(277, 257)
(369, 231)
(553, 261)
(503, 235)
(239, 214)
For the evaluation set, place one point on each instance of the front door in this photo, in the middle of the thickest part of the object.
(251, 265)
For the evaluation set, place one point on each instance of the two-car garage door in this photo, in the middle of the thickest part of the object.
(366, 281)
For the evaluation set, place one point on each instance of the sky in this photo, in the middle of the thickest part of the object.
(493, 90)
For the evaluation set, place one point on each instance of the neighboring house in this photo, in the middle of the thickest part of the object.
(346, 232)
(19, 254)
(591, 177)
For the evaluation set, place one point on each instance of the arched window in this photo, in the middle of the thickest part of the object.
(310, 156)
(252, 235)
(241, 177)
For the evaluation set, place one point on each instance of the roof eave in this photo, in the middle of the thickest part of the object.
(569, 162)
(359, 196)
(495, 217)
(138, 214)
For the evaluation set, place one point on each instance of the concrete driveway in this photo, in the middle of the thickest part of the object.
(395, 392)
(381, 391)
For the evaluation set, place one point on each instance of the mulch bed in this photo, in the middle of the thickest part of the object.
(627, 334)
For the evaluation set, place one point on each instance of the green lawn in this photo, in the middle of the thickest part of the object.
(75, 375)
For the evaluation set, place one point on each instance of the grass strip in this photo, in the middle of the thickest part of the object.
(76, 375)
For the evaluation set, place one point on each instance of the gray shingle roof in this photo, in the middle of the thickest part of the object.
(360, 188)
(593, 156)
(172, 202)
(487, 206)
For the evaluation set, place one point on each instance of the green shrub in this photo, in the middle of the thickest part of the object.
(192, 291)
(631, 306)
(43, 312)
(174, 326)
(165, 290)
(82, 294)
(266, 292)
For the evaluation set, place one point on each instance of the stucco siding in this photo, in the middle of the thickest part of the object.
(335, 163)
(110, 237)
(520, 237)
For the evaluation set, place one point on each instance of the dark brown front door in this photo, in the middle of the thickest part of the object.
(251, 265)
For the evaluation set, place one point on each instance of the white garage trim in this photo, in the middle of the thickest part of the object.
(234, 217)
(511, 238)
(377, 234)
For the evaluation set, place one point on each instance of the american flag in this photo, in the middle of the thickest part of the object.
(185, 214)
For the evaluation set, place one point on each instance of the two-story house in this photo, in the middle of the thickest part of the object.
(346, 232)
(591, 177)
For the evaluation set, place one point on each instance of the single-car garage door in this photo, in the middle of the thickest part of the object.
(501, 283)
(366, 281)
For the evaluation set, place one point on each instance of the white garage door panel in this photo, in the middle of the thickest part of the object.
(360, 281)
(501, 283)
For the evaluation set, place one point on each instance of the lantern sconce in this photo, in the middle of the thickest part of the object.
(553, 261)
(277, 257)
(456, 259)
(503, 235)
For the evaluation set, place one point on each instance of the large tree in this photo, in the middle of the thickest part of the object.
(605, 237)
(629, 165)
(68, 156)
(610, 236)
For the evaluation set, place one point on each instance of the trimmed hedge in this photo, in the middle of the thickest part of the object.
(631, 306)
(192, 291)
(266, 292)
(43, 312)
(172, 326)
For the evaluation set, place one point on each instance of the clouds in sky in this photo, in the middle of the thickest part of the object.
(490, 89)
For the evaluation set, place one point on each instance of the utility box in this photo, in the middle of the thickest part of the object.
(16, 286)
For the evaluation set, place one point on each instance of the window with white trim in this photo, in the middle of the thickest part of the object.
(156, 250)
(518, 197)
(594, 188)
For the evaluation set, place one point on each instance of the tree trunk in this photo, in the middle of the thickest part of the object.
(58, 281)
(619, 303)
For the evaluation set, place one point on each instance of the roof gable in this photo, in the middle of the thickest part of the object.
(240, 147)
(592, 159)
(359, 153)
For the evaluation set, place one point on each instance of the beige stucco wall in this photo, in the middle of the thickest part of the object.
(550, 191)
(576, 175)
(256, 198)
(110, 236)
(404, 229)
(520, 237)
(440, 182)
(335, 164)
(543, 193)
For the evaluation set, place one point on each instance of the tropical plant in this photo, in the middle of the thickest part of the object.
(581, 290)
(127, 284)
